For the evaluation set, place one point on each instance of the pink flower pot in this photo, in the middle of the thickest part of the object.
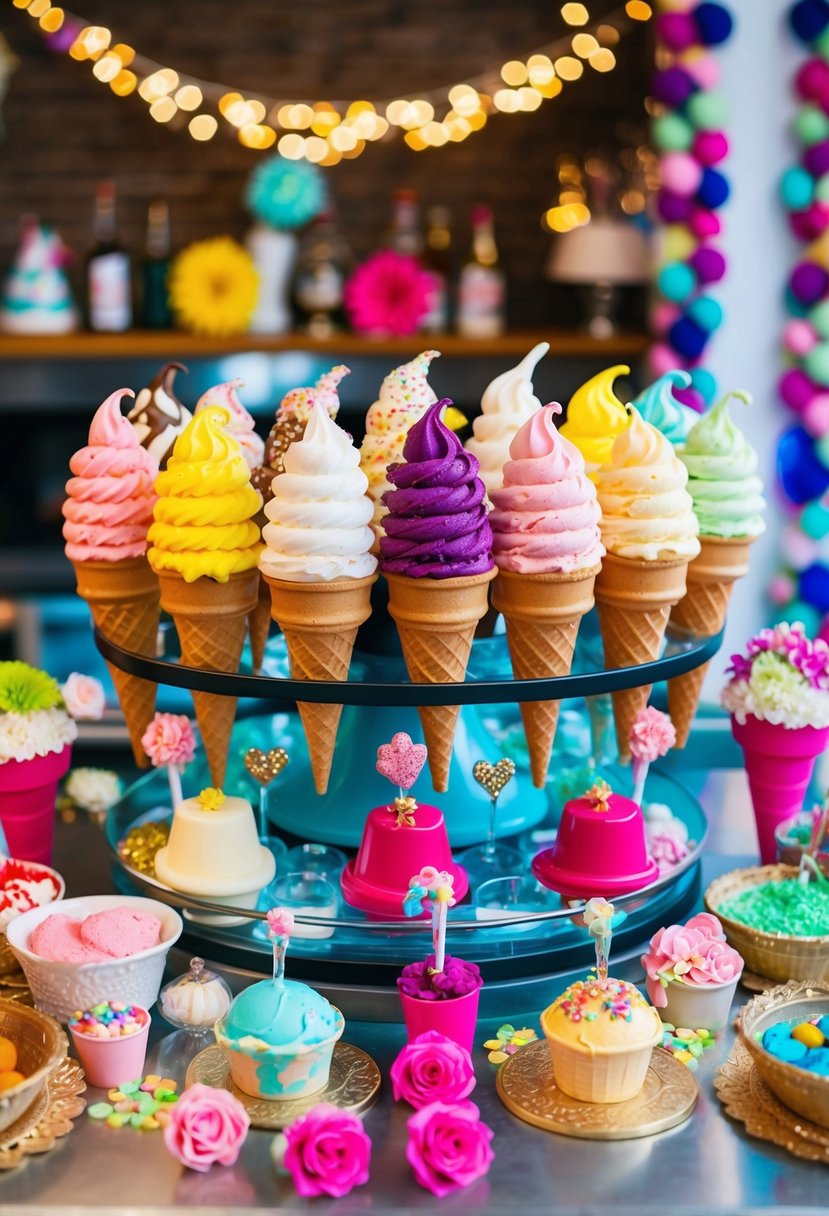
(779, 765)
(28, 790)
(455, 1018)
(108, 1063)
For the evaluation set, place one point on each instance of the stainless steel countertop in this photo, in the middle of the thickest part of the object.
(707, 1166)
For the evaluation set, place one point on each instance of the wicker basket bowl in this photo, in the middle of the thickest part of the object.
(776, 956)
(801, 1090)
(41, 1045)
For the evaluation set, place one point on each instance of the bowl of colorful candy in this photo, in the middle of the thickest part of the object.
(786, 1030)
(779, 925)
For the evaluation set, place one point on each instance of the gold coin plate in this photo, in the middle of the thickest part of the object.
(48, 1119)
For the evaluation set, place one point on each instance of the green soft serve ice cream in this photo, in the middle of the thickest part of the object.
(723, 483)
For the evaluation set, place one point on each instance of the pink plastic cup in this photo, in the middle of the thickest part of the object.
(455, 1018)
(779, 764)
(108, 1063)
(28, 790)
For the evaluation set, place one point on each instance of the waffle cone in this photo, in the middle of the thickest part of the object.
(259, 624)
(542, 614)
(320, 623)
(210, 621)
(634, 599)
(123, 599)
(701, 614)
(436, 621)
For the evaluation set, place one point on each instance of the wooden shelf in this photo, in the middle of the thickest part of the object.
(162, 344)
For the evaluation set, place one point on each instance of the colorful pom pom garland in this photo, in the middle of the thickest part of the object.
(801, 589)
(692, 146)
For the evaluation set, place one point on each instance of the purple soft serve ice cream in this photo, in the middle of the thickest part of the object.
(437, 524)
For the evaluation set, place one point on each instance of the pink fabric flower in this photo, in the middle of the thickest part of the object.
(389, 294)
(432, 1068)
(206, 1126)
(84, 696)
(695, 952)
(169, 739)
(667, 850)
(720, 964)
(449, 1147)
(280, 922)
(327, 1152)
(652, 735)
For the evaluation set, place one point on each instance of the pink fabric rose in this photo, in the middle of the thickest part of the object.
(720, 964)
(206, 1126)
(84, 696)
(169, 739)
(652, 735)
(696, 952)
(432, 1068)
(449, 1147)
(327, 1152)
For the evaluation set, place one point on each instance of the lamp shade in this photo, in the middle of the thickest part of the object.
(609, 251)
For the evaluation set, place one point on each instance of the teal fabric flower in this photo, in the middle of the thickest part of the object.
(286, 194)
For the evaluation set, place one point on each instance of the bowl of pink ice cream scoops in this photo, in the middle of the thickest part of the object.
(96, 948)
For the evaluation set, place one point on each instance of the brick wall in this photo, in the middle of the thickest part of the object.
(64, 130)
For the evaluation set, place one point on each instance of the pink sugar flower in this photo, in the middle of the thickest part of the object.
(84, 696)
(207, 1126)
(652, 735)
(696, 952)
(280, 922)
(327, 1152)
(449, 1147)
(169, 739)
(389, 294)
(432, 1068)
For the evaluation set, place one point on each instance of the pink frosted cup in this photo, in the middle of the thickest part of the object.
(28, 790)
(108, 1063)
(779, 764)
(456, 1018)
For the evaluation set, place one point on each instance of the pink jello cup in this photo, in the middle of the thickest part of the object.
(108, 1063)
(456, 1018)
(28, 789)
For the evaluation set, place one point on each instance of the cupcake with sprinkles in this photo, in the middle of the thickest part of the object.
(601, 1031)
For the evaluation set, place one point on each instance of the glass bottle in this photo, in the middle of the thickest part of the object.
(155, 268)
(437, 258)
(321, 271)
(108, 269)
(482, 286)
(405, 235)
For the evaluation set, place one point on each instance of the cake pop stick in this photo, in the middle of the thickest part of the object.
(280, 926)
(600, 918)
(169, 741)
(493, 778)
(436, 886)
(401, 762)
(652, 735)
(265, 767)
(808, 858)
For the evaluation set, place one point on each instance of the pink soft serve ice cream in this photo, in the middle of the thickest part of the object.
(241, 425)
(546, 515)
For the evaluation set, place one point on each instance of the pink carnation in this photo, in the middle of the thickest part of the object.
(84, 696)
(652, 735)
(169, 739)
(207, 1126)
(327, 1152)
(389, 294)
(432, 1068)
(449, 1147)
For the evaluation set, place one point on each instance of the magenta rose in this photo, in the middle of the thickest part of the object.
(449, 1147)
(327, 1152)
(432, 1068)
(719, 964)
(207, 1126)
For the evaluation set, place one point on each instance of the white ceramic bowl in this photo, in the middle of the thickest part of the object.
(61, 988)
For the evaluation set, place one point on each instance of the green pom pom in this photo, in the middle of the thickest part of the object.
(817, 363)
(707, 111)
(671, 133)
(25, 690)
(811, 125)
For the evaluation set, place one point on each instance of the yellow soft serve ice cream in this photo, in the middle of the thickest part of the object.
(595, 416)
(647, 513)
(203, 518)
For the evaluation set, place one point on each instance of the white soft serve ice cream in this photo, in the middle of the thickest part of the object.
(507, 403)
(319, 515)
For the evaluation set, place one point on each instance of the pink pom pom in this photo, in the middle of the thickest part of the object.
(799, 548)
(812, 81)
(796, 389)
(681, 174)
(704, 223)
(823, 632)
(799, 337)
(816, 416)
(710, 147)
(704, 69)
(663, 316)
(662, 358)
(811, 223)
(676, 30)
(781, 589)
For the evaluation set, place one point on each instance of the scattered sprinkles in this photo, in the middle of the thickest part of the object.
(109, 1020)
(507, 1041)
(618, 999)
(143, 1104)
(686, 1045)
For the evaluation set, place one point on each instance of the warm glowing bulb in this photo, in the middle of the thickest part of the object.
(603, 61)
(124, 83)
(163, 110)
(227, 101)
(396, 110)
(20, 3)
(575, 14)
(528, 99)
(243, 114)
(414, 141)
(158, 84)
(507, 101)
(253, 135)
(325, 119)
(356, 151)
(124, 52)
(380, 128)
(568, 68)
(424, 111)
(568, 217)
(632, 202)
(189, 97)
(39, 8)
(477, 120)
(343, 139)
(608, 35)
(434, 134)
(333, 157)
(52, 20)
(292, 146)
(637, 10)
(94, 39)
(584, 45)
(203, 127)
(541, 70)
(359, 107)
(463, 98)
(363, 124)
(316, 149)
(107, 68)
(514, 73)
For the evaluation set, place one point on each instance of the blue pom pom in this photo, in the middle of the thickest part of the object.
(815, 520)
(714, 189)
(286, 194)
(814, 586)
(801, 473)
(795, 307)
(809, 19)
(676, 281)
(797, 188)
(714, 23)
(706, 312)
(687, 338)
(704, 383)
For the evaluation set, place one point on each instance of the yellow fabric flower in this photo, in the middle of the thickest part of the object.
(214, 287)
(211, 798)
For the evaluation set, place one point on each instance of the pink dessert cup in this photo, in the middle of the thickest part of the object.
(779, 764)
(597, 852)
(378, 877)
(28, 791)
(108, 1063)
(456, 1018)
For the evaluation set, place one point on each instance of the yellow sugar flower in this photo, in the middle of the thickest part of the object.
(211, 798)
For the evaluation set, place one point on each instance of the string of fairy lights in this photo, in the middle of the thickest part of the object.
(325, 132)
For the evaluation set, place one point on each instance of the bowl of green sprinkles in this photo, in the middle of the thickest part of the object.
(779, 925)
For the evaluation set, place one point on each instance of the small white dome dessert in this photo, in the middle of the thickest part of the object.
(197, 1000)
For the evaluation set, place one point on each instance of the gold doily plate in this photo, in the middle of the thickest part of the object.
(526, 1086)
(352, 1085)
(756, 983)
(747, 1098)
(48, 1119)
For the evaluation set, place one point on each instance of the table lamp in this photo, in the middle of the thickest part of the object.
(600, 257)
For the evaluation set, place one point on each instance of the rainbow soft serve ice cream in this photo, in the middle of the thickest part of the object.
(507, 403)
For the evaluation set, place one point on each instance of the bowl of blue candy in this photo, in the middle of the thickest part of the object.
(786, 1030)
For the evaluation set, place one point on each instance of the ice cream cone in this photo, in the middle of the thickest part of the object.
(701, 614)
(634, 598)
(436, 620)
(779, 764)
(259, 623)
(123, 598)
(320, 622)
(542, 614)
(210, 620)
